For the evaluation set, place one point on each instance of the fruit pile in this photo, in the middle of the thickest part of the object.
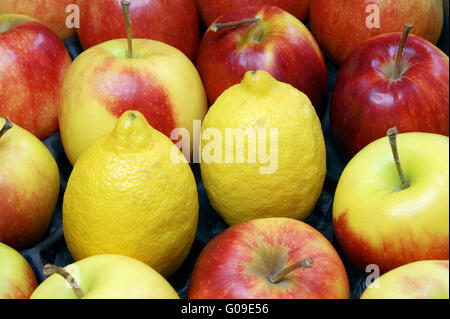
(299, 149)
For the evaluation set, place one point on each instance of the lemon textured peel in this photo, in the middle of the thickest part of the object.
(238, 191)
(126, 196)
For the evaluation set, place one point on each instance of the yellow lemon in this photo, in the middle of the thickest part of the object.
(263, 151)
(127, 196)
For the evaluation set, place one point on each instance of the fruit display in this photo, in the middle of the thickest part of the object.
(341, 26)
(276, 42)
(222, 149)
(261, 102)
(33, 64)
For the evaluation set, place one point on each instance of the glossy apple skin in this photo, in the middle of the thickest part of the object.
(102, 83)
(288, 52)
(108, 277)
(29, 188)
(33, 63)
(17, 280)
(376, 222)
(427, 279)
(173, 22)
(340, 25)
(210, 10)
(52, 13)
(366, 103)
(238, 262)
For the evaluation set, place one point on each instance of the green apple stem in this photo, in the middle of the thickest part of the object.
(8, 125)
(397, 70)
(219, 26)
(392, 134)
(126, 12)
(305, 263)
(52, 269)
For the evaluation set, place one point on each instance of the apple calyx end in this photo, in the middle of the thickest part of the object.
(6, 127)
(308, 262)
(52, 269)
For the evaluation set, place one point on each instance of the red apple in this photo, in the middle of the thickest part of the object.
(33, 63)
(279, 44)
(210, 10)
(368, 98)
(172, 22)
(17, 280)
(340, 25)
(270, 258)
(52, 13)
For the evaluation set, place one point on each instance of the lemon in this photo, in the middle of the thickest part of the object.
(287, 185)
(127, 196)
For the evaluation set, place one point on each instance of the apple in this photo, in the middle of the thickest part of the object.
(269, 258)
(278, 43)
(341, 26)
(172, 22)
(386, 83)
(17, 280)
(391, 205)
(29, 186)
(33, 63)
(104, 277)
(427, 279)
(210, 10)
(52, 13)
(106, 80)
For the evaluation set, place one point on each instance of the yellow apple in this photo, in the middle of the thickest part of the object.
(427, 279)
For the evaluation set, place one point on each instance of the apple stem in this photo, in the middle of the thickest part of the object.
(8, 125)
(52, 269)
(397, 71)
(392, 134)
(305, 263)
(126, 11)
(219, 26)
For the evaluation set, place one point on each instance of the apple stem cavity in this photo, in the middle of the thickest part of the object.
(305, 263)
(126, 12)
(392, 134)
(397, 69)
(8, 125)
(219, 26)
(52, 269)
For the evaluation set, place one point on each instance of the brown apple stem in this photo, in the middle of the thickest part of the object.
(392, 134)
(8, 125)
(126, 12)
(219, 26)
(397, 71)
(52, 269)
(305, 263)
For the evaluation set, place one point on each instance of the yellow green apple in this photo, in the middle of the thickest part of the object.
(17, 280)
(391, 204)
(426, 279)
(104, 277)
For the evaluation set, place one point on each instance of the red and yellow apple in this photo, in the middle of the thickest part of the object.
(369, 98)
(17, 280)
(340, 26)
(427, 279)
(278, 43)
(102, 83)
(172, 22)
(33, 63)
(104, 277)
(29, 186)
(210, 10)
(52, 13)
(270, 258)
(389, 219)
